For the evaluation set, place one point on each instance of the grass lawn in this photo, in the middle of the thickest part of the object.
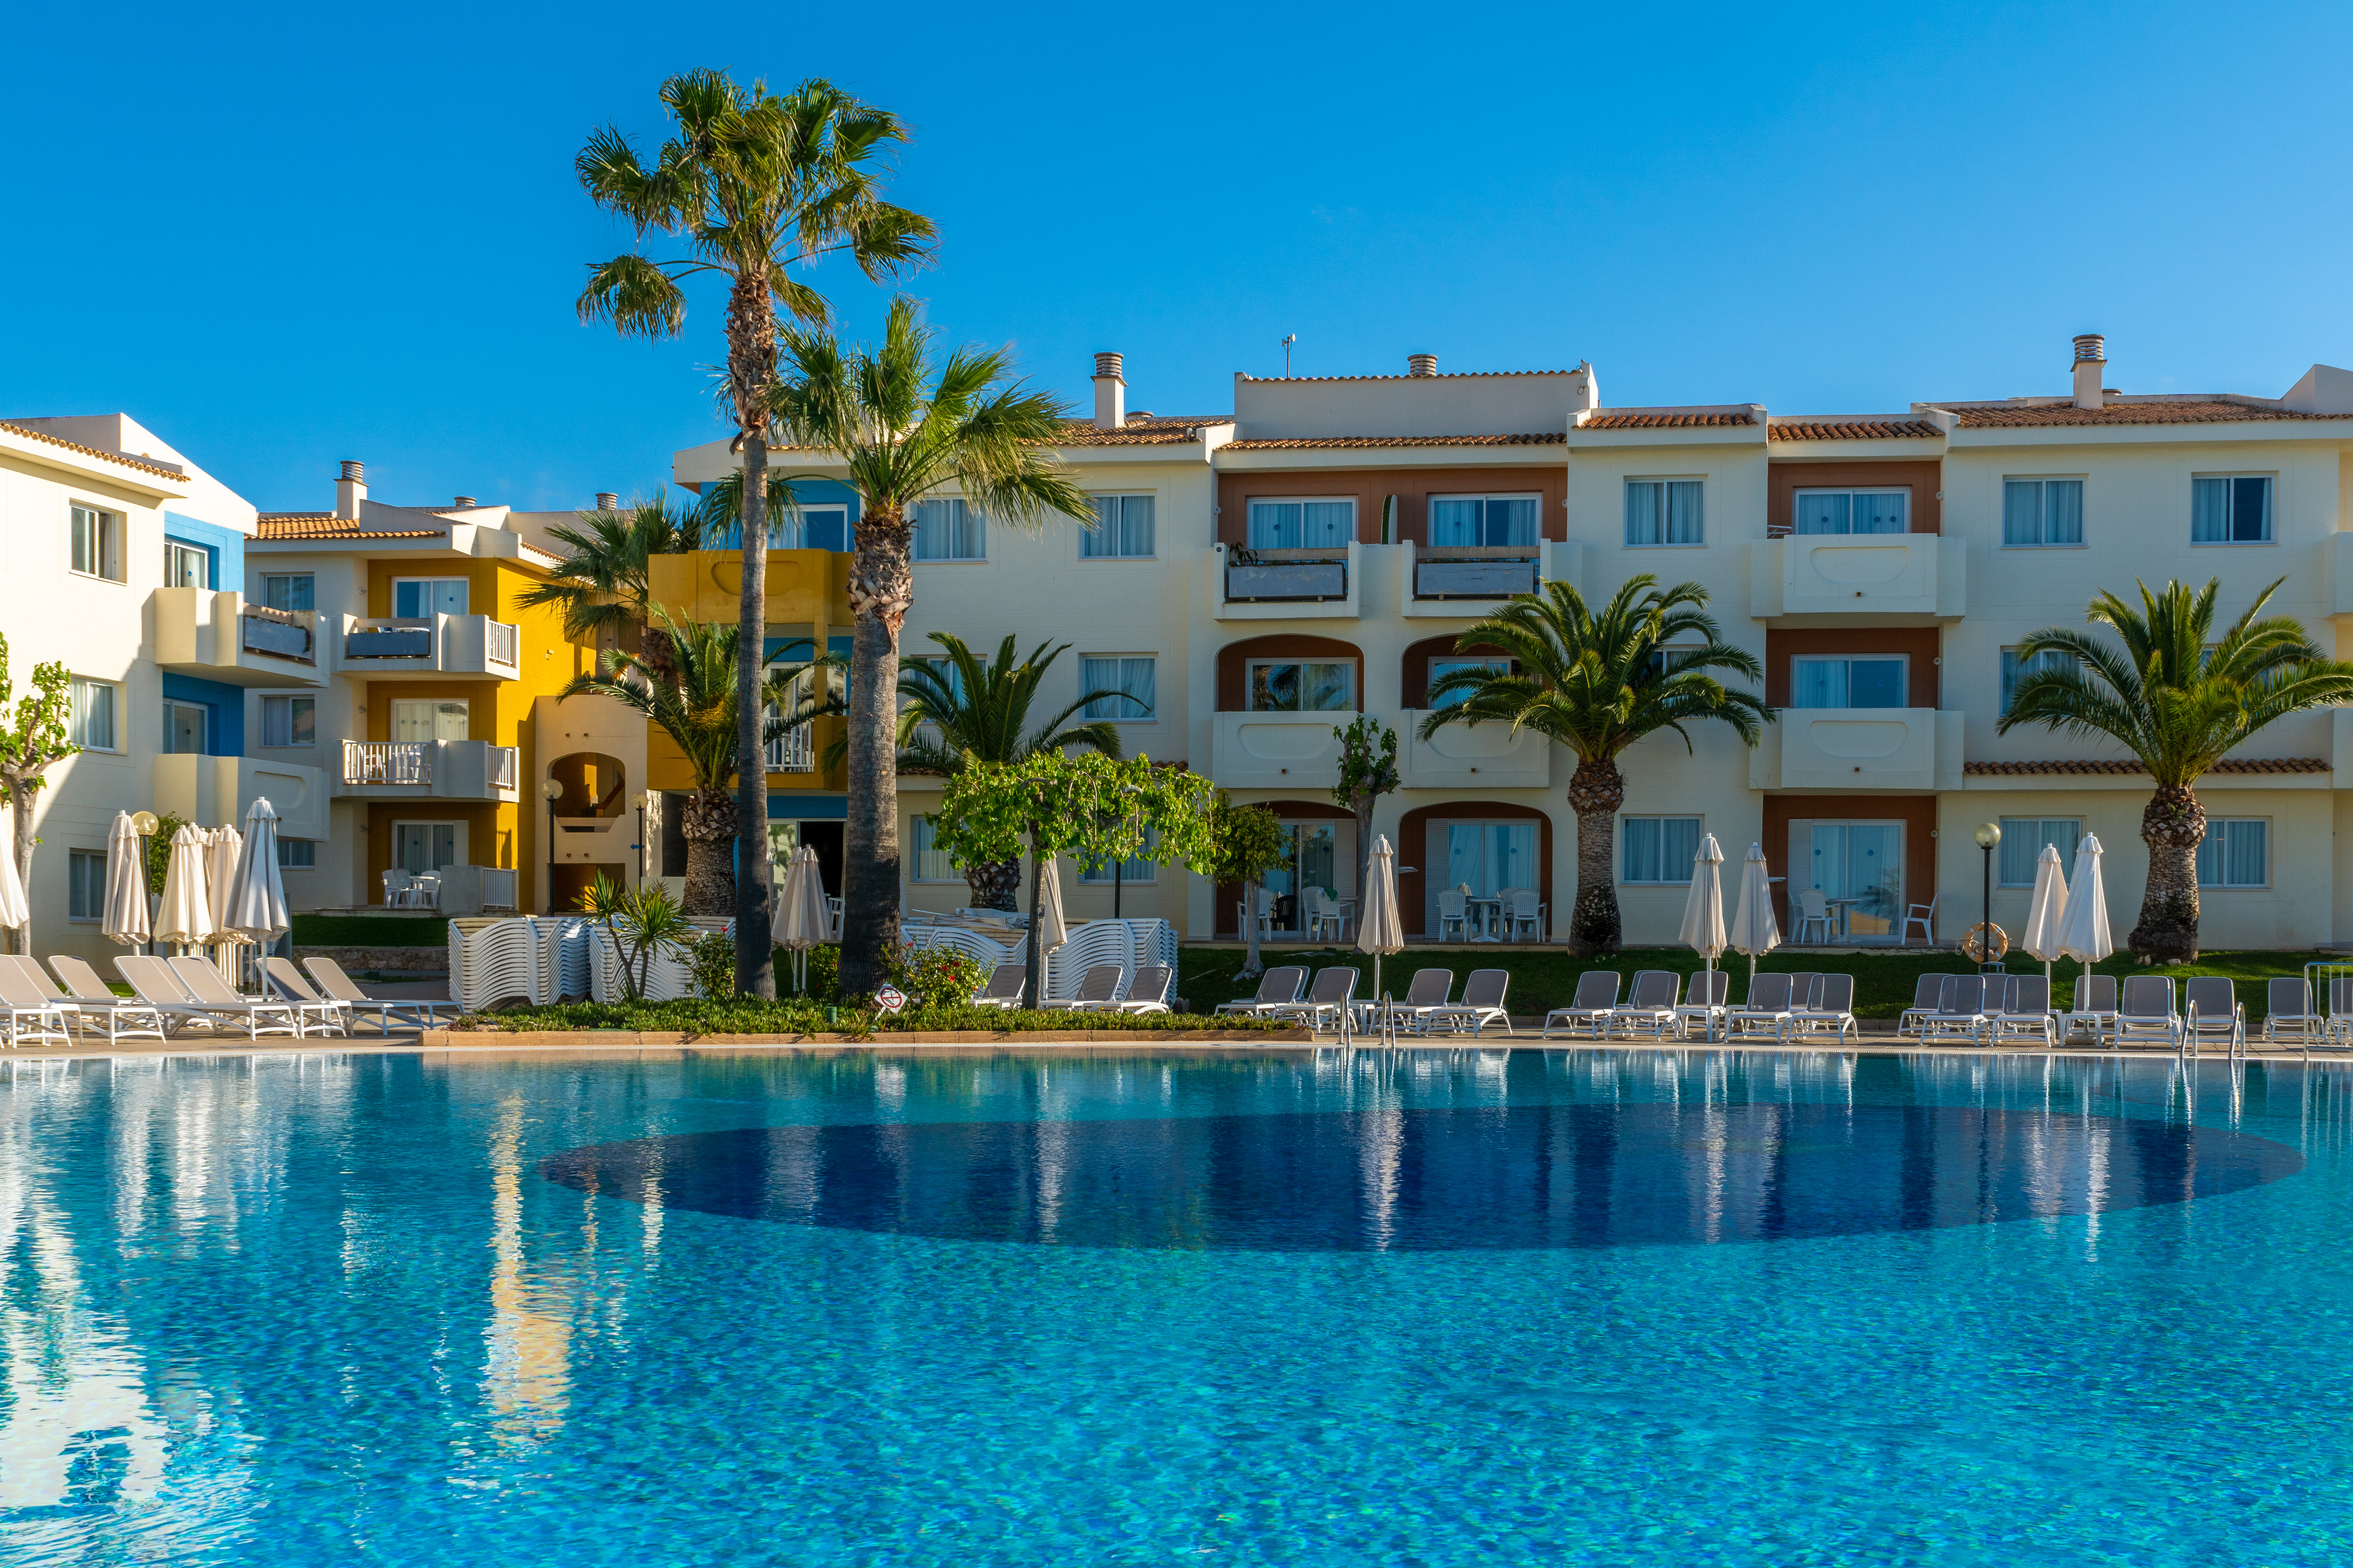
(371, 931)
(1544, 978)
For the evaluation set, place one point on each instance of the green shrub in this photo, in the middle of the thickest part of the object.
(824, 974)
(937, 976)
(710, 961)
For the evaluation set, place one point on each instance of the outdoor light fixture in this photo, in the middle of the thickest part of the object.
(1988, 834)
(554, 792)
(638, 800)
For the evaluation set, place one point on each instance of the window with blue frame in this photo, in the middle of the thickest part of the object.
(1483, 521)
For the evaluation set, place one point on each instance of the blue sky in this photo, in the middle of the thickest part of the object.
(284, 235)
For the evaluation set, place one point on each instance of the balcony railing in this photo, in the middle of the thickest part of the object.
(1270, 576)
(462, 770)
(794, 751)
(504, 766)
(282, 633)
(502, 643)
(388, 762)
(383, 639)
(1463, 572)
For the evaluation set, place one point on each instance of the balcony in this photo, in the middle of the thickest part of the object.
(1287, 584)
(1466, 582)
(430, 645)
(1277, 751)
(218, 636)
(210, 791)
(1867, 750)
(450, 770)
(1885, 579)
(795, 751)
(1469, 756)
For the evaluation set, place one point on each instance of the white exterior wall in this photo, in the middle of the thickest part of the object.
(339, 588)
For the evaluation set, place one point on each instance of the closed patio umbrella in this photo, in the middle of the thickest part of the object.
(220, 874)
(2083, 929)
(802, 920)
(1754, 929)
(1381, 930)
(1702, 929)
(2046, 912)
(186, 916)
(256, 904)
(126, 884)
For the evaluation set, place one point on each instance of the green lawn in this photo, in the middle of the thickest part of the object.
(371, 931)
(1884, 983)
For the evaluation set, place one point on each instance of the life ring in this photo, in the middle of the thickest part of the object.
(1985, 943)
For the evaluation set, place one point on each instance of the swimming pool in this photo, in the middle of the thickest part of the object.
(1434, 1308)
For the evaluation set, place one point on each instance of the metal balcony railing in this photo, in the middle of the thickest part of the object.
(794, 751)
(389, 762)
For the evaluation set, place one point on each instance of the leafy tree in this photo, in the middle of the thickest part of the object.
(33, 738)
(601, 582)
(696, 708)
(1597, 683)
(2179, 700)
(1247, 842)
(754, 186)
(980, 712)
(1368, 770)
(906, 431)
(1095, 807)
(159, 851)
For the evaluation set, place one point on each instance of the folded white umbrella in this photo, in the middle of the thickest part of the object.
(2083, 929)
(126, 884)
(802, 920)
(2046, 910)
(1702, 929)
(256, 904)
(1381, 930)
(186, 916)
(221, 848)
(1754, 929)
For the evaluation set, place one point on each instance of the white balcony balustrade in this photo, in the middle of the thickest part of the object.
(432, 645)
(218, 636)
(457, 770)
(1277, 751)
(210, 791)
(1833, 579)
(1878, 750)
(794, 751)
(1471, 756)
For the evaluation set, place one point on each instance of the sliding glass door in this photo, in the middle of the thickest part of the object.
(1858, 868)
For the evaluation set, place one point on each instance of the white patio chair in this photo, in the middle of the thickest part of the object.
(1814, 910)
(395, 890)
(1265, 901)
(1527, 913)
(424, 892)
(1453, 910)
(1924, 917)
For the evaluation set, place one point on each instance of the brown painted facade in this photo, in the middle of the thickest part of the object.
(1370, 488)
(1414, 850)
(1226, 915)
(1234, 662)
(1924, 479)
(1916, 812)
(1416, 671)
(1919, 644)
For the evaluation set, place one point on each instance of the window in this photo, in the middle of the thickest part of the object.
(1664, 511)
(414, 598)
(2023, 838)
(1138, 678)
(85, 884)
(425, 845)
(1863, 680)
(1122, 530)
(93, 714)
(1657, 848)
(1858, 868)
(809, 528)
(186, 725)
(949, 531)
(289, 591)
(1441, 667)
(1482, 520)
(2041, 511)
(298, 854)
(187, 565)
(1489, 856)
(290, 721)
(2236, 853)
(2014, 669)
(2231, 509)
(1139, 869)
(932, 863)
(97, 544)
(442, 720)
(1854, 511)
(1301, 524)
(1288, 687)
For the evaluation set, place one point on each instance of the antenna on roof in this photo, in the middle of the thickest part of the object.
(1286, 355)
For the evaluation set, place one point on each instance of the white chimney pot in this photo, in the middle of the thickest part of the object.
(2090, 366)
(1111, 393)
(350, 489)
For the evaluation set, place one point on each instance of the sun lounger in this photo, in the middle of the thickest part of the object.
(1482, 1004)
(2095, 1007)
(1710, 988)
(306, 1001)
(37, 982)
(1425, 993)
(98, 1007)
(2289, 1017)
(1587, 1016)
(1928, 991)
(1004, 987)
(1147, 992)
(153, 982)
(329, 976)
(1326, 1003)
(1766, 1011)
(2212, 1011)
(2339, 1029)
(1098, 987)
(1960, 1010)
(1650, 1007)
(1832, 1008)
(28, 1014)
(2147, 1012)
(1803, 986)
(2025, 1013)
(206, 985)
(1278, 987)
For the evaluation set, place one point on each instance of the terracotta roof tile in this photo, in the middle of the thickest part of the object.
(1852, 430)
(1303, 443)
(2126, 767)
(1630, 420)
(1144, 430)
(2157, 411)
(145, 467)
(1447, 375)
(327, 525)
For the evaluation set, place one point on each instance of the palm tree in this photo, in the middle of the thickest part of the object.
(755, 184)
(2179, 700)
(905, 433)
(1597, 684)
(601, 584)
(980, 712)
(694, 705)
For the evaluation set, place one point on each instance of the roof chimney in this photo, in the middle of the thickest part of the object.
(1111, 393)
(351, 489)
(2091, 364)
(609, 501)
(1422, 364)
(461, 501)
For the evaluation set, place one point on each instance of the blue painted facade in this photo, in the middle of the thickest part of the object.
(225, 729)
(223, 546)
(812, 496)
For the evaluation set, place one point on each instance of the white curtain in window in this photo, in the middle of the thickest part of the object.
(1818, 683)
(1645, 500)
(1825, 512)
(1882, 512)
(1491, 856)
(1511, 520)
(1678, 847)
(932, 863)
(1327, 525)
(2063, 511)
(1138, 678)
(2022, 513)
(2236, 853)
(1453, 522)
(2023, 838)
(93, 715)
(1684, 520)
(947, 530)
(2210, 513)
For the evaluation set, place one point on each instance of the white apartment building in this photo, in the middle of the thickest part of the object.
(1265, 574)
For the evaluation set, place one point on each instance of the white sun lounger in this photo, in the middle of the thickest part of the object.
(1098, 987)
(1587, 1016)
(1766, 1011)
(28, 1014)
(206, 985)
(123, 1019)
(1327, 999)
(288, 982)
(1483, 1004)
(409, 1010)
(1650, 1007)
(1704, 1002)
(1278, 987)
(1147, 992)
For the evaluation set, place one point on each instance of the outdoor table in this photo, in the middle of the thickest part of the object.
(1489, 910)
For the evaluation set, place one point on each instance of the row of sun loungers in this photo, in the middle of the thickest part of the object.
(1103, 988)
(1783, 1006)
(1429, 1007)
(169, 995)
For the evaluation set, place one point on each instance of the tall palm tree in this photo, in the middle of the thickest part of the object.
(755, 185)
(980, 712)
(694, 705)
(601, 584)
(1597, 683)
(2179, 700)
(906, 431)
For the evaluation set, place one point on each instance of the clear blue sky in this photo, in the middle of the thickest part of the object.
(281, 236)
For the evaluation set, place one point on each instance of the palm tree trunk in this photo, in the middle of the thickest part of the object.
(881, 590)
(751, 371)
(1032, 977)
(2172, 826)
(993, 884)
(1596, 791)
(708, 824)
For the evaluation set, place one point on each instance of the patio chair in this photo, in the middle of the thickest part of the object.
(1813, 910)
(1650, 1007)
(1265, 901)
(2147, 1012)
(1147, 992)
(1710, 989)
(1960, 1010)
(1587, 1014)
(416, 1013)
(1926, 993)
(1004, 987)
(306, 999)
(1453, 910)
(1325, 909)
(2095, 1007)
(98, 1005)
(206, 985)
(1426, 992)
(2212, 1011)
(2289, 1016)
(1921, 915)
(31, 1015)
(1278, 987)
(1832, 1007)
(1482, 1004)
(1765, 1011)
(2025, 1012)
(1527, 911)
(1098, 986)
(1327, 1001)
(395, 890)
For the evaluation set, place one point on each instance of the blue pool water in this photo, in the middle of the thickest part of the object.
(1565, 1307)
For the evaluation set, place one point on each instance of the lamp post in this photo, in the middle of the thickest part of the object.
(554, 792)
(1988, 834)
(638, 800)
(143, 824)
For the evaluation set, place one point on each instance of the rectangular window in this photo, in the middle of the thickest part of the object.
(1441, 667)
(1664, 511)
(949, 531)
(1136, 679)
(2042, 512)
(85, 884)
(1301, 524)
(2013, 668)
(932, 863)
(414, 598)
(1862, 680)
(1122, 530)
(97, 544)
(1288, 687)
(431, 719)
(186, 566)
(290, 721)
(2231, 509)
(298, 854)
(186, 725)
(1657, 848)
(418, 846)
(1128, 872)
(2023, 838)
(2236, 853)
(1490, 856)
(289, 591)
(93, 718)
(1482, 520)
(809, 528)
(1854, 511)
